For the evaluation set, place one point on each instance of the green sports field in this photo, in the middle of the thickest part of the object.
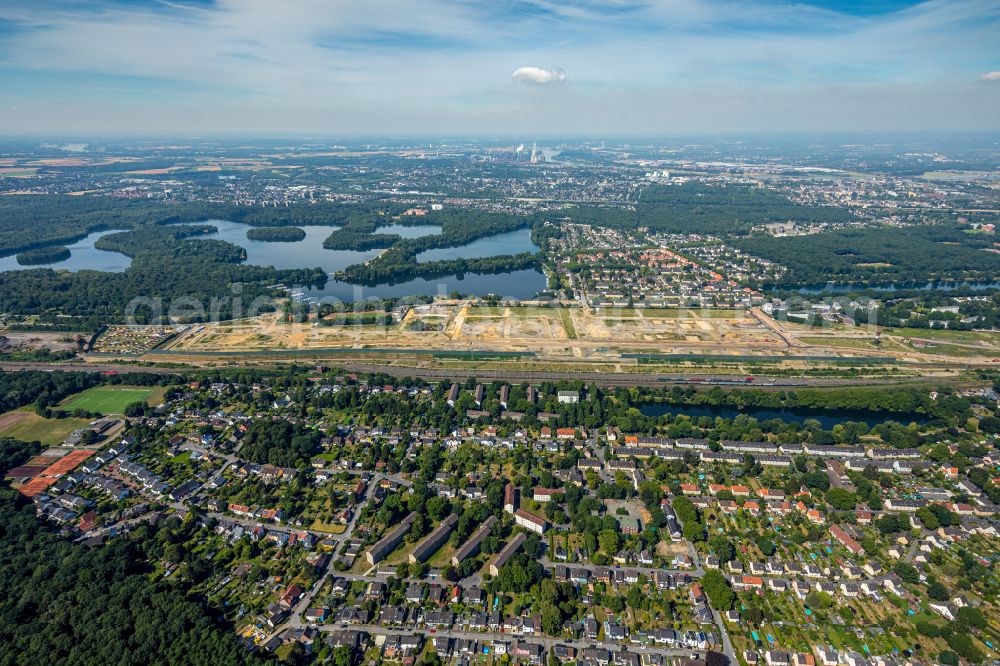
(107, 399)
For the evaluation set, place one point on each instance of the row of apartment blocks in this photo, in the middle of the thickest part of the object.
(471, 547)
(506, 553)
(565, 397)
(388, 543)
(434, 540)
(768, 460)
(524, 519)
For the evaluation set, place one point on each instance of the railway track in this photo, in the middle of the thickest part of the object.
(607, 379)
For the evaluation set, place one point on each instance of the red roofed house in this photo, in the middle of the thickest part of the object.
(88, 521)
(845, 539)
(291, 596)
(748, 583)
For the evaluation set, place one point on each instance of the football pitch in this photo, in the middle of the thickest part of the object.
(107, 400)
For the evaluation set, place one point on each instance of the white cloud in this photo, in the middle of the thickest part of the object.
(538, 75)
(990, 76)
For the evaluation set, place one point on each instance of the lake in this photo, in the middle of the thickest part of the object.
(521, 284)
(306, 253)
(512, 242)
(826, 418)
(83, 256)
(415, 231)
(310, 253)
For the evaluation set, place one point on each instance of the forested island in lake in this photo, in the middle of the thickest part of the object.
(43, 255)
(276, 234)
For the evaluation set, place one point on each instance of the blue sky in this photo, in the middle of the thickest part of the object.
(497, 67)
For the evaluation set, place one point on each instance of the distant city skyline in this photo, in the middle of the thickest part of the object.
(516, 67)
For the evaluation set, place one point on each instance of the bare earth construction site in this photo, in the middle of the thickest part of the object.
(625, 340)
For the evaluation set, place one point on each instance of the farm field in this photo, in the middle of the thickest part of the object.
(26, 425)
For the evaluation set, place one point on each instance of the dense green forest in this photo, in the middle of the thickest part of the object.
(350, 239)
(152, 244)
(314, 214)
(168, 263)
(74, 604)
(391, 267)
(359, 232)
(276, 234)
(14, 452)
(30, 221)
(879, 256)
(458, 227)
(699, 208)
(280, 443)
(43, 255)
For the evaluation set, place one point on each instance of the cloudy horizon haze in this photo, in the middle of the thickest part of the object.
(471, 67)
